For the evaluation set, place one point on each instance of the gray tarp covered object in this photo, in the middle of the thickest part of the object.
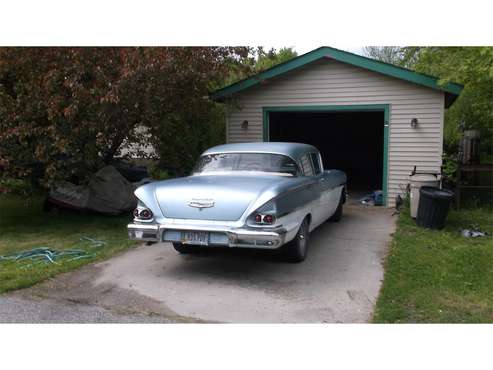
(108, 192)
(67, 195)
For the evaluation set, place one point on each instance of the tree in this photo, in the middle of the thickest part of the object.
(182, 120)
(258, 61)
(64, 112)
(266, 60)
(387, 54)
(472, 67)
(397, 55)
(59, 109)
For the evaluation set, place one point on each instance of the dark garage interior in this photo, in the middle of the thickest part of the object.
(349, 141)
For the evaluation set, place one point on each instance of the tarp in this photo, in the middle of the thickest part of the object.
(67, 195)
(108, 192)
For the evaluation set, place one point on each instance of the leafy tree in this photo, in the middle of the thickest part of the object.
(64, 112)
(387, 54)
(59, 109)
(258, 61)
(181, 119)
(269, 59)
(397, 55)
(470, 66)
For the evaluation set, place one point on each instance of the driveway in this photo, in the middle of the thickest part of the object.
(338, 282)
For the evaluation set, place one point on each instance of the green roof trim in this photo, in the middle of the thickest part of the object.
(452, 90)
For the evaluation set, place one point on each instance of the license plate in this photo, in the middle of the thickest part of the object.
(195, 237)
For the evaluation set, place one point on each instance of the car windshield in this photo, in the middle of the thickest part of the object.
(246, 162)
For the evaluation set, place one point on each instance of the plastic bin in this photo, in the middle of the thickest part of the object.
(417, 181)
(434, 204)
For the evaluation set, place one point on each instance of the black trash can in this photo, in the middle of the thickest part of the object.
(433, 207)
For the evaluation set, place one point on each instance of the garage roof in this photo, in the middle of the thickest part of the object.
(451, 90)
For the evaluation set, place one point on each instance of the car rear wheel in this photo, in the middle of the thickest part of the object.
(183, 248)
(296, 249)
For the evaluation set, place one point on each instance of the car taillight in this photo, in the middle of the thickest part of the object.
(264, 215)
(143, 214)
(264, 219)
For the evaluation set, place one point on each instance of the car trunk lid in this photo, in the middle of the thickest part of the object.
(211, 197)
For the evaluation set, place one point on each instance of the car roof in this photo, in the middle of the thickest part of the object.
(293, 150)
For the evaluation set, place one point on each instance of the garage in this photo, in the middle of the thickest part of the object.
(373, 120)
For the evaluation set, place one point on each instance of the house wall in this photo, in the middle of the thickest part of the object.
(329, 82)
(137, 151)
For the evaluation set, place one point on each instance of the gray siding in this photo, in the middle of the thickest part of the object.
(328, 82)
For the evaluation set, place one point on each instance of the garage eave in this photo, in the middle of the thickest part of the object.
(451, 90)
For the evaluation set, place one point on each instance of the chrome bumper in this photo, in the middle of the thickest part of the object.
(231, 237)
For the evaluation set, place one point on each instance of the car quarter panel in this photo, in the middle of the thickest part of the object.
(146, 195)
(333, 184)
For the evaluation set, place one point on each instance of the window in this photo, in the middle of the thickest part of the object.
(316, 163)
(306, 165)
(246, 162)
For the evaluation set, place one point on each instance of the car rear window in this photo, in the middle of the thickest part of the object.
(247, 162)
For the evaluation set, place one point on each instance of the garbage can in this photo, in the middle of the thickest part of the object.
(417, 181)
(433, 207)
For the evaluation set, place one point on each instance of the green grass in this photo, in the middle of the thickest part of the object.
(23, 226)
(439, 276)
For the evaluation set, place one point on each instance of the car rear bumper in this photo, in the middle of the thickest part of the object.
(218, 236)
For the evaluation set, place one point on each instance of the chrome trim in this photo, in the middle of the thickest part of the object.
(143, 227)
(201, 203)
(153, 230)
(142, 220)
(237, 237)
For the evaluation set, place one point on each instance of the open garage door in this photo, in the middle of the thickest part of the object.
(352, 141)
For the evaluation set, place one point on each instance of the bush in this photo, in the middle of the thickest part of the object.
(449, 168)
(159, 173)
(15, 187)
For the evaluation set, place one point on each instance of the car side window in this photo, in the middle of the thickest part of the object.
(306, 165)
(316, 163)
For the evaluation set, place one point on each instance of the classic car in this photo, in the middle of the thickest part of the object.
(252, 195)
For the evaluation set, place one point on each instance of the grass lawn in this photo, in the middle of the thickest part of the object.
(23, 226)
(439, 276)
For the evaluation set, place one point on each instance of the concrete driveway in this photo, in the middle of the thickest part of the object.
(338, 282)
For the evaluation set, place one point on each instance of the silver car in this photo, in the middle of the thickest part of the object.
(253, 195)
